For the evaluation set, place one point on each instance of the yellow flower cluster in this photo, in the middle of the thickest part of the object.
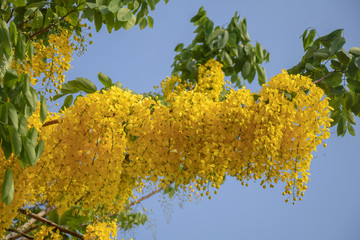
(111, 142)
(49, 61)
(46, 232)
(100, 231)
(210, 82)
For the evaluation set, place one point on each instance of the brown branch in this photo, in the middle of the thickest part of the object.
(11, 15)
(48, 123)
(18, 232)
(141, 199)
(30, 229)
(29, 223)
(325, 76)
(53, 24)
(50, 223)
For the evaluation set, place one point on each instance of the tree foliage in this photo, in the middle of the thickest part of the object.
(89, 160)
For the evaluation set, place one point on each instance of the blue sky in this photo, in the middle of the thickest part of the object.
(141, 59)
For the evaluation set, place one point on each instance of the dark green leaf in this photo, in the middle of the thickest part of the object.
(15, 140)
(334, 79)
(338, 90)
(22, 125)
(43, 109)
(344, 57)
(7, 192)
(13, 33)
(105, 80)
(341, 128)
(85, 85)
(11, 78)
(13, 117)
(29, 150)
(261, 75)
(67, 102)
(246, 69)
(39, 149)
(351, 129)
(20, 48)
(223, 40)
(143, 23)
(336, 45)
(98, 20)
(227, 59)
(348, 100)
(179, 47)
(54, 217)
(350, 117)
(150, 21)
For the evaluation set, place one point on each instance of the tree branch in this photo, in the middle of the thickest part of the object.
(13, 235)
(53, 24)
(25, 231)
(48, 123)
(50, 223)
(325, 76)
(11, 15)
(20, 233)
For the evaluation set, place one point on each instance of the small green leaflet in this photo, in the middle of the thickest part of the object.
(7, 192)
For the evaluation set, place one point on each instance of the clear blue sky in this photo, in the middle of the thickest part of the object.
(141, 59)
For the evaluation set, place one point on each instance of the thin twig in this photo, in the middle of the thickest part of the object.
(53, 24)
(18, 232)
(48, 123)
(30, 229)
(30, 222)
(140, 200)
(50, 223)
(11, 15)
(323, 77)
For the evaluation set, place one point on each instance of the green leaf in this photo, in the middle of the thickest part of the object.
(334, 79)
(341, 128)
(150, 21)
(344, 57)
(143, 23)
(357, 62)
(124, 14)
(114, 6)
(214, 35)
(179, 47)
(7, 192)
(85, 85)
(13, 117)
(348, 100)
(259, 51)
(67, 102)
(246, 69)
(29, 150)
(54, 217)
(39, 149)
(329, 38)
(11, 78)
(30, 49)
(227, 59)
(223, 40)
(129, 24)
(310, 67)
(151, 4)
(15, 139)
(20, 48)
(22, 125)
(355, 51)
(261, 74)
(13, 32)
(105, 80)
(37, 22)
(350, 117)
(338, 90)
(18, 3)
(98, 20)
(351, 129)
(43, 109)
(336, 45)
